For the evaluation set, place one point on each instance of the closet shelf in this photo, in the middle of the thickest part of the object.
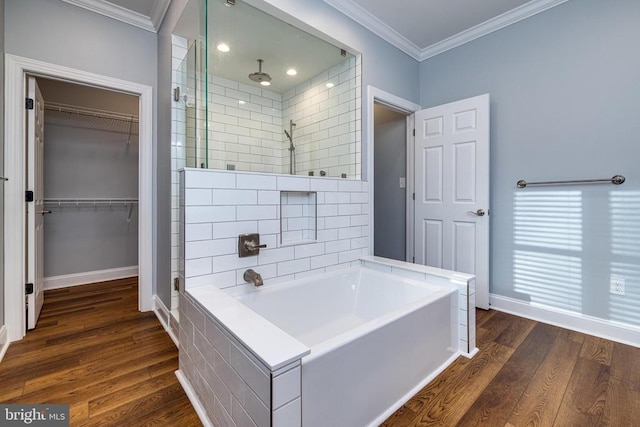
(91, 202)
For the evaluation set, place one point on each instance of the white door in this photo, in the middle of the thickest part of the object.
(452, 189)
(35, 209)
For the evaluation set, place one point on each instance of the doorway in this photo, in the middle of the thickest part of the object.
(16, 70)
(90, 188)
(390, 182)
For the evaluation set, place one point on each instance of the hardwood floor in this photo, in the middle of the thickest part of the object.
(531, 374)
(115, 366)
(93, 349)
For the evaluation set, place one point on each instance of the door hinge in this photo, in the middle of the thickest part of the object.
(28, 288)
(414, 132)
(29, 104)
(414, 196)
(414, 260)
(28, 196)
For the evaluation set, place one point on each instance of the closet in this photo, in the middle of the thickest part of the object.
(90, 184)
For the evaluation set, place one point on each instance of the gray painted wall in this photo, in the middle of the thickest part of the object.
(64, 34)
(2, 162)
(564, 89)
(390, 164)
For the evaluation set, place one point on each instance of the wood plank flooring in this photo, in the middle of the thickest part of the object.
(531, 374)
(115, 366)
(93, 349)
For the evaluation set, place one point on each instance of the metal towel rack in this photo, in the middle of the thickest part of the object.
(616, 179)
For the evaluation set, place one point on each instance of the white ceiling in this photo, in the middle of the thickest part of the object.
(421, 28)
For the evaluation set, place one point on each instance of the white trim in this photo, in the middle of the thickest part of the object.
(14, 163)
(4, 341)
(375, 25)
(375, 95)
(193, 398)
(410, 181)
(163, 315)
(494, 24)
(125, 15)
(68, 280)
(614, 331)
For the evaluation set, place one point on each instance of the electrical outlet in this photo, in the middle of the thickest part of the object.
(616, 284)
(403, 182)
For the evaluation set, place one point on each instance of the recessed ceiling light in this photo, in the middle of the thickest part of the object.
(223, 47)
(330, 85)
(292, 71)
(265, 83)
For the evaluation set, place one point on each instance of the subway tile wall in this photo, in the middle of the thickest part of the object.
(220, 205)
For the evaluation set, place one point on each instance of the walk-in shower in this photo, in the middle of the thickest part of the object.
(292, 148)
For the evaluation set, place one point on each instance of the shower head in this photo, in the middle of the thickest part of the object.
(260, 77)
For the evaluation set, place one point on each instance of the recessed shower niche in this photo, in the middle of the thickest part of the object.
(298, 217)
(266, 96)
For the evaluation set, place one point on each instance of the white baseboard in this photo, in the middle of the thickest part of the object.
(162, 313)
(56, 282)
(4, 341)
(614, 331)
(193, 398)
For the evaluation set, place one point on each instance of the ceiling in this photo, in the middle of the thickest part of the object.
(421, 28)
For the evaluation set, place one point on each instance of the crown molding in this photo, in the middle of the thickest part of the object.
(125, 15)
(375, 25)
(494, 24)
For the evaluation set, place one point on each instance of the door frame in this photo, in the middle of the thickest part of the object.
(379, 96)
(16, 68)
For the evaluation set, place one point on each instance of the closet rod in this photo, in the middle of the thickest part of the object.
(65, 108)
(90, 202)
(616, 179)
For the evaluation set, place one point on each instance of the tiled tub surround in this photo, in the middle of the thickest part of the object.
(220, 205)
(362, 339)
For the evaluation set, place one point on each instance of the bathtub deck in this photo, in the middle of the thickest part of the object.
(530, 373)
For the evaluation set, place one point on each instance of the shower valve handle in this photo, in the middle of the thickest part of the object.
(252, 246)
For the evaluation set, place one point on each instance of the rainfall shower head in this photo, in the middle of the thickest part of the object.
(260, 77)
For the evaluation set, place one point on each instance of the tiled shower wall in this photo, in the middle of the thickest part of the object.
(220, 205)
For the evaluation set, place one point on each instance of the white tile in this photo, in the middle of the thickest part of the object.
(194, 232)
(235, 197)
(337, 246)
(256, 181)
(349, 209)
(310, 250)
(349, 233)
(219, 280)
(256, 212)
(201, 214)
(327, 235)
(337, 197)
(269, 256)
(209, 179)
(360, 197)
(197, 267)
(291, 267)
(286, 387)
(360, 242)
(289, 415)
(349, 256)
(233, 229)
(208, 248)
(232, 262)
(197, 197)
(337, 222)
(286, 183)
(327, 210)
(269, 226)
(324, 184)
(324, 260)
(359, 220)
(266, 197)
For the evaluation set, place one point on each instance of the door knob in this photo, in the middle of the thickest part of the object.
(479, 212)
(44, 212)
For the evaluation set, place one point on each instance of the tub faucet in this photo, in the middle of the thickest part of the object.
(251, 276)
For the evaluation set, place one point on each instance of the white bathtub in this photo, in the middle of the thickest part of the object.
(356, 343)
(373, 336)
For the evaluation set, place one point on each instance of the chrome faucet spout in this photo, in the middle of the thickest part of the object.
(251, 276)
